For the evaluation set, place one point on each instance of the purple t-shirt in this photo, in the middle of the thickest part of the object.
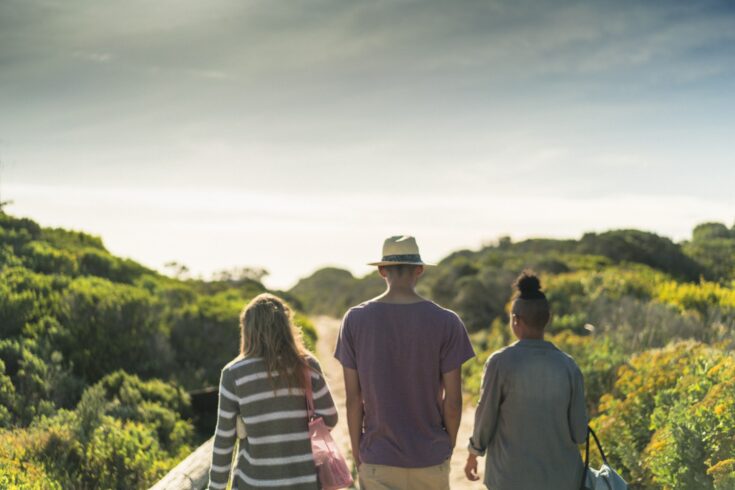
(400, 352)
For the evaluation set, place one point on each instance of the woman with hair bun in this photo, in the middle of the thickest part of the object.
(531, 414)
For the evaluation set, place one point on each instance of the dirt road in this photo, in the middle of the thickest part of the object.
(328, 328)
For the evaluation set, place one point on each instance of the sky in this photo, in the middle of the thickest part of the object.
(295, 135)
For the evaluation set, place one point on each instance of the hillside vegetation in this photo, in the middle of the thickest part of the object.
(97, 354)
(651, 323)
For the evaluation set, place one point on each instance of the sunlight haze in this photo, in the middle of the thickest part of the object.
(292, 136)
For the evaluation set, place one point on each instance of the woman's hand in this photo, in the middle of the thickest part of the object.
(470, 468)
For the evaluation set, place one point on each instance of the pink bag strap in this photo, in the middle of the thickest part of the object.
(308, 391)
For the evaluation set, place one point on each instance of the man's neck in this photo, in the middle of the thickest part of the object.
(533, 336)
(399, 294)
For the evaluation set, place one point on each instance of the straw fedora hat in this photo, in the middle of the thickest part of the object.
(401, 249)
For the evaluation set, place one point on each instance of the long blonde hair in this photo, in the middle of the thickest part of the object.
(267, 330)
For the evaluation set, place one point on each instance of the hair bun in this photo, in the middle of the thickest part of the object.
(529, 286)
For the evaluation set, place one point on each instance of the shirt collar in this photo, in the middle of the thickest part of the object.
(535, 344)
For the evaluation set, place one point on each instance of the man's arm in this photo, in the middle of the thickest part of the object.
(452, 403)
(354, 411)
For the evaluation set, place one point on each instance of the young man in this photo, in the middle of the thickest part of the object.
(402, 356)
(531, 415)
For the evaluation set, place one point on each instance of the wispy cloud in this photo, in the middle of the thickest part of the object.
(210, 74)
(95, 57)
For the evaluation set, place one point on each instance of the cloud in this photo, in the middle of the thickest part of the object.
(93, 56)
(210, 74)
(318, 40)
(451, 97)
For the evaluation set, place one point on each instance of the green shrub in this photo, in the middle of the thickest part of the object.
(597, 357)
(19, 467)
(111, 326)
(95, 262)
(42, 257)
(205, 336)
(26, 297)
(670, 420)
(308, 331)
(122, 455)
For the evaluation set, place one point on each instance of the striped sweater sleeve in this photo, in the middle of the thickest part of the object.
(323, 402)
(226, 433)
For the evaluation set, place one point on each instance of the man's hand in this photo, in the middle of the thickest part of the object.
(452, 403)
(470, 469)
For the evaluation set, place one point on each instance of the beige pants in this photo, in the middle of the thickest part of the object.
(381, 477)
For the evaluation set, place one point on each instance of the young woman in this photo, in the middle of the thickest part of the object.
(264, 387)
(531, 415)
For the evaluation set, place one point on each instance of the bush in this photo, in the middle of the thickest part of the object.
(95, 262)
(670, 420)
(30, 378)
(710, 231)
(711, 304)
(122, 455)
(42, 257)
(308, 331)
(158, 405)
(702, 298)
(598, 358)
(26, 297)
(124, 433)
(8, 397)
(112, 326)
(643, 248)
(72, 241)
(205, 336)
(19, 468)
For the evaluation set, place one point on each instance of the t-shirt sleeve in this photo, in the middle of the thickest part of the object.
(486, 415)
(344, 352)
(457, 348)
(577, 408)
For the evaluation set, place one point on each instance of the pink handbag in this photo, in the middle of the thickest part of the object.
(331, 466)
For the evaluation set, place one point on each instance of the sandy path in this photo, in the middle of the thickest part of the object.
(328, 328)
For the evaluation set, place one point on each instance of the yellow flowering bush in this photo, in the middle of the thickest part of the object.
(18, 467)
(670, 420)
(700, 297)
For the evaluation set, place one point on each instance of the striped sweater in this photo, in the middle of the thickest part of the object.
(276, 453)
